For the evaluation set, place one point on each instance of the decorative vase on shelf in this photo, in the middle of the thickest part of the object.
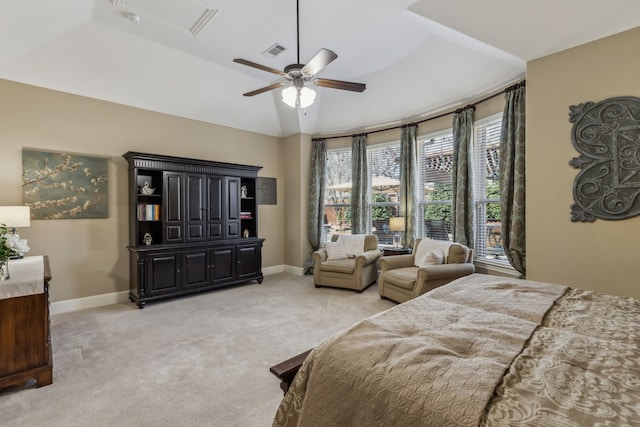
(146, 189)
(4, 269)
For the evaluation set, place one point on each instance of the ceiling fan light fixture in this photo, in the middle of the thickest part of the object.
(294, 97)
(307, 96)
(290, 96)
(296, 94)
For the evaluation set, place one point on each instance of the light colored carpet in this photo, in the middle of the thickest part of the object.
(201, 360)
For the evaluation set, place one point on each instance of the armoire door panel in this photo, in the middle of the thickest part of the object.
(173, 199)
(195, 198)
(195, 202)
(233, 197)
(216, 231)
(195, 268)
(195, 232)
(223, 262)
(248, 257)
(163, 273)
(215, 198)
(215, 205)
(233, 229)
(173, 207)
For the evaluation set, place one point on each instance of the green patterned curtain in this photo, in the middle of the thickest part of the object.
(463, 203)
(409, 196)
(316, 199)
(512, 178)
(360, 186)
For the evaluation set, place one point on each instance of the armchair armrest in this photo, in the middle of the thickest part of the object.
(445, 271)
(396, 261)
(433, 273)
(368, 257)
(319, 256)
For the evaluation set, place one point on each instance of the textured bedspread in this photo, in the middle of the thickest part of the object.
(580, 368)
(571, 358)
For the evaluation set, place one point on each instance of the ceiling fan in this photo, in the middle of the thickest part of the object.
(296, 75)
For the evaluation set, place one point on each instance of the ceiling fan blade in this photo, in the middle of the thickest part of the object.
(264, 89)
(339, 84)
(258, 66)
(319, 61)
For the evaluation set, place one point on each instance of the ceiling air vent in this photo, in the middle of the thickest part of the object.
(274, 51)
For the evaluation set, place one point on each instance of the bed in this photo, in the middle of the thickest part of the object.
(480, 351)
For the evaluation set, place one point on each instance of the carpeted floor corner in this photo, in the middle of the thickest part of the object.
(201, 360)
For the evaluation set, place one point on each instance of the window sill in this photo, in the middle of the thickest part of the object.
(495, 268)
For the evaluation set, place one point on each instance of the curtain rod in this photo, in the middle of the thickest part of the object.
(472, 105)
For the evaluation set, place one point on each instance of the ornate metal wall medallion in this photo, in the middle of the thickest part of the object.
(607, 136)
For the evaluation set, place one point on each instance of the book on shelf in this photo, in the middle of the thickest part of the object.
(148, 212)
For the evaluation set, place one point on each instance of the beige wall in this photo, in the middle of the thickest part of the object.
(602, 255)
(89, 256)
(297, 158)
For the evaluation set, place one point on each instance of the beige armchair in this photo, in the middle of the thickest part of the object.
(433, 263)
(343, 272)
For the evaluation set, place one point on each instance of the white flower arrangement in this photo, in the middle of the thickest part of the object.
(11, 244)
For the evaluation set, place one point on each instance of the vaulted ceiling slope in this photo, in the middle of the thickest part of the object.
(176, 56)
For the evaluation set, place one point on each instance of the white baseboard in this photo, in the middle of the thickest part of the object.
(298, 271)
(273, 270)
(89, 302)
(93, 301)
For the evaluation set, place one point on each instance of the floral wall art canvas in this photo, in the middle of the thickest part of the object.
(64, 185)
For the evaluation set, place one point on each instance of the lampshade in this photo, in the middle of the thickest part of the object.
(303, 97)
(15, 216)
(396, 224)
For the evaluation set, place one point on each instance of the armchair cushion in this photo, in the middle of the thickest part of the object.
(458, 254)
(433, 258)
(404, 277)
(454, 253)
(335, 250)
(344, 265)
(353, 244)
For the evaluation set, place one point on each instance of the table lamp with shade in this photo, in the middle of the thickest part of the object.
(397, 226)
(15, 216)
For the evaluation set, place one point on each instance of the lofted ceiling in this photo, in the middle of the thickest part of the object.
(415, 56)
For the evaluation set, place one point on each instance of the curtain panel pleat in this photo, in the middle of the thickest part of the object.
(463, 211)
(316, 199)
(360, 186)
(512, 178)
(409, 196)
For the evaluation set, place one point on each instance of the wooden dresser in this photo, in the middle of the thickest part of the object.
(25, 339)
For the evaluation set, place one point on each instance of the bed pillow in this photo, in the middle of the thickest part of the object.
(335, 250)
(433, 258)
